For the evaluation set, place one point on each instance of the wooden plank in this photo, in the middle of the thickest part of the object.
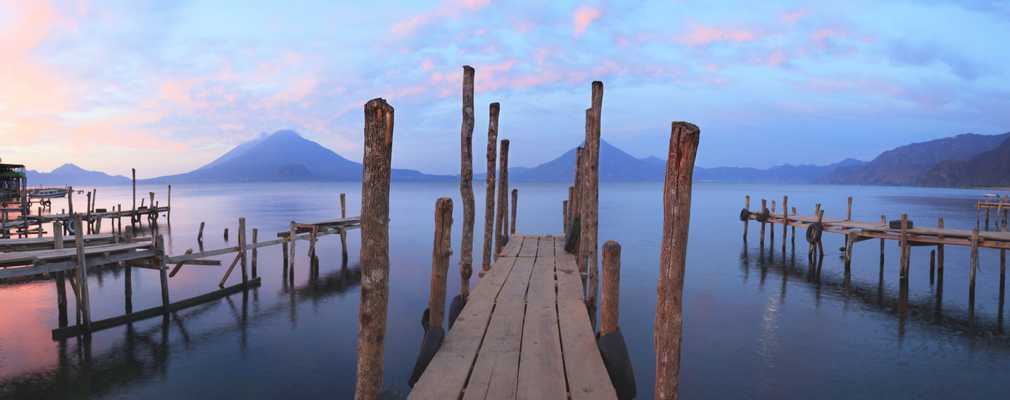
(584, 370)
(496, 371)
(541, 372)
(512, 248)
(28, 257)
(529, 248)
(448, 371)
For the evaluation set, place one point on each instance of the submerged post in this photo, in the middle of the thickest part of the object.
(440, 252)
(974, 267)
(668, 327)
(343, 232)
(489, 187)
(378, 148)
(255, 234)
(610, 303)
(466, 183)
(515, 202)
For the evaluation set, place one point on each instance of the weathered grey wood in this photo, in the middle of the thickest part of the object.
(448, 371)
(529, 246)
(255, 241)
(227, 272)
(242, 249)
(489, 187)
(515, 201)
(746, 222)
(84, 299)
(61, 285)
(440, 252)
(610, 304)
(501, 220)
(495, 372)
(162, 269)
(668, 327)
(178, 265)
(904, 246)
(512, 248)
(373, 307)
(541, 371)
(466, 183)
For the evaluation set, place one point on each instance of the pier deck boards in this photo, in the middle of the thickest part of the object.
(524, 333)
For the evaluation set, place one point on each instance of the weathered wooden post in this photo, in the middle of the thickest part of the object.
(89, 226)
(904, 246)
(489, 189)
(793, 240)
(255, 241)
(771, 228)
(764, 208)
(466, 183)
(378, 148)
(974, 267)
(746, 221)
(500, 214)
(163, 271)
(577, 203)
(932, 266)
(169, 215)
(441, 250)
(84, 300)
(133, 181)
(199, 236)
(61, 283)
(610, 303)
(515, 202)
(883, 222)
(939, 250)
(343, 232)
(820, 240)
(785, 222)
(292, 234)
(564, 216)
(242, 250)
(673, 255)
(591, 197)
(848, 213)
(225, 234)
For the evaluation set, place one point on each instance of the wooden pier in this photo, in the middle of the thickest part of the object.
(524, 333)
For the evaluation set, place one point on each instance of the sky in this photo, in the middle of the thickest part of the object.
(166, 87)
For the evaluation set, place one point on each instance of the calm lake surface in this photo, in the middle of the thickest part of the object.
(756, 325)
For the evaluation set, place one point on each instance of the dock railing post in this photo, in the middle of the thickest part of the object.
(489, 187)
(373, 306)
(466, 182)
(771, 227)
(668, 326)
(746, 221)
(84, 303)
(939, 250)
(610, 302)
(591, 198)
(440, 252)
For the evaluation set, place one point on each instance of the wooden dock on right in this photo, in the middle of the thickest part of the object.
(524, 333)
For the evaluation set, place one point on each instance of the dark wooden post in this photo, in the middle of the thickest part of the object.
(292, 233)
(746, 222)
(255, 241)
(61, 283)
(848, 213)
(771, 228)
(199, 236)
(883, 222)
(466, 183)
(242, 250)
(169, 215)
(904, 246)
(764, 207)
(590, 198)
(373, 308)
(785, 222)
(974, 267)
(343, 232)
(489, 187)
(163, 271)
(133, 181)
(564, 216)
(500, 215)
(84, 300)
(939, 250)
(515, 202)
(932, 266)
(440, 253)
(673, 255)
(610, 304)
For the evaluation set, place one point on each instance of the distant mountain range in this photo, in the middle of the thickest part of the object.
(72, 175)
(283, 156)
(962, 160)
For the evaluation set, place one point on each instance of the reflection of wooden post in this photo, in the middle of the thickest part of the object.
(500, 215)
(84, 300)
(466, 183)
(515, 202)
(489, 187)
(373, 306)
(667, 330)
(610, 304)
(440, 260)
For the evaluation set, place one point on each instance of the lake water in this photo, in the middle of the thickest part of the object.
(756, 325)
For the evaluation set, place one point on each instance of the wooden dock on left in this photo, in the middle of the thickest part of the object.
(524, 333)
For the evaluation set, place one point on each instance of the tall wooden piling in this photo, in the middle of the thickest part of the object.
(764, 207)
(440, 252)
(255, 241)
(163, 271)
(848, 212)
(169, 214)
(564, 217)
(373, 308)
(667, 330)
(133, 181)
(793, 240)
(785, 222)
(932, 266)
(343, 232)
(592, 194)
(500, 215)
(466, 183)
(610, 302)
(746, 221)
(771, 226)
(489, 187)
(84, 299)
(242, 250)
(577, 201)
(883, 222)
(904, 246)
(292, 233)
(61, 283)
(515, 205)
(974, 267)
(939, 250)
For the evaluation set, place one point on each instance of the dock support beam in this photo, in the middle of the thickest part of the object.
(668, 328)
(466, 183)
(373, 308)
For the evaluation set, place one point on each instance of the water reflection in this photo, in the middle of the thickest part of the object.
(923, 310)
(144, 348)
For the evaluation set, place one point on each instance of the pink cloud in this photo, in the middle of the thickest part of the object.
(583, 17)
(448, 9)
(792, 17)
(702, 35)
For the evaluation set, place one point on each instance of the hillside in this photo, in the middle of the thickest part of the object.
(71, 175)
(990, 168)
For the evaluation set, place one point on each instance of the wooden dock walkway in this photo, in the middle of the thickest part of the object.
(524, 333)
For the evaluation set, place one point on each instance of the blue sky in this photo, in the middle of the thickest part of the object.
(167, 86)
